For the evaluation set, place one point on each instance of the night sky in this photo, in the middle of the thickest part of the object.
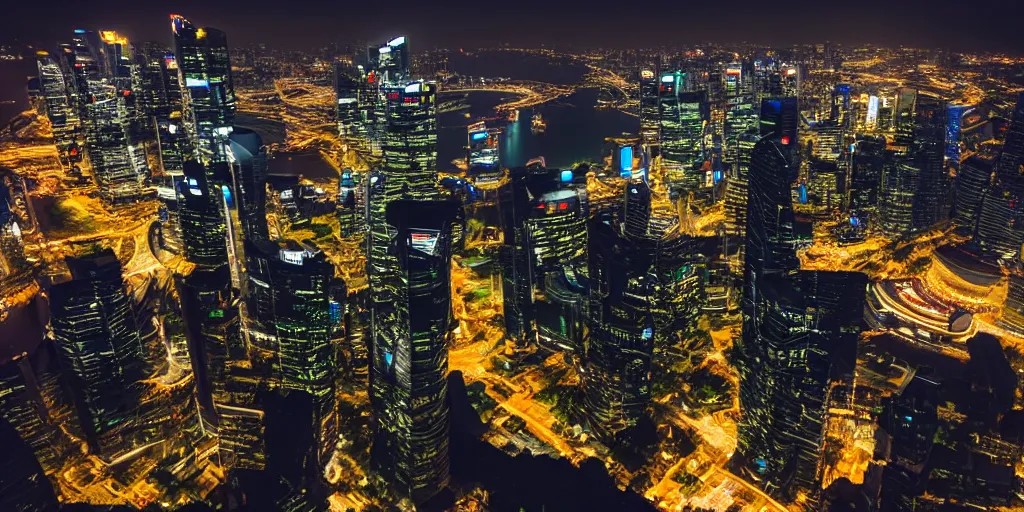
(958, 25)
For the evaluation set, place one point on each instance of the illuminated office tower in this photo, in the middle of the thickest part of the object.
(22, 404)
(164, 105)
(23, 486)
(409, 143)
(200, 215)
(1000, 229)
(298, 278)
(482, 144)
(779, 119)
(682, 118)
(619, 341)
(351, 203)
(153, 99)
(409, 360)
(972, 182)
(346, 96)
(801, 348)
(741, 114)
(116, 60)
(866, 174)
(93, 325)
(903, 116)
(886, 111)
(871, 116)
(62, 114)
(517, 274)
(650, 134)
(896, 196)
(211, 326)
(738, 183)
(393, 61)
(118, 163)
(830, 144)
(637, 212)
(1012, 156)
(556, 230)
(927, 153)
(841, 113)
(248, 158)
(954, 117)
(208, 95)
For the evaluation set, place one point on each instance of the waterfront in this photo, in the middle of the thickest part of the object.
(575, 132)
(14, 76)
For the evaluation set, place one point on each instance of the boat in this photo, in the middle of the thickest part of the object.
(537, 124)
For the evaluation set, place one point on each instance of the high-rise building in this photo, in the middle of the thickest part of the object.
(94, 328)
(517, 270)
(346, 95)
(800, 349)
(22, 403)
(738, 183)
(683, 117)
(200, 215)
(1008, 167)
(896, 196)
(927, 153)
(972, 181)
(1000, 228)
(248, 158)
(63, 115)
(866, 176)
(649, 119)
(208, 94)
(903, 116)
(484, 155)
(212, 328)
(23, 486)
(394, 60)
(118, 163)
(409, 360)
(619, 341)
(769, 234)
(298, 278)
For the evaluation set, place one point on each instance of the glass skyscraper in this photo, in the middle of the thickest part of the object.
(248, 158)
(200, 217)
(409, 356)
(98, 342)
(208, 96)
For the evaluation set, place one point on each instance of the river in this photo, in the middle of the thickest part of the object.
(14, 75)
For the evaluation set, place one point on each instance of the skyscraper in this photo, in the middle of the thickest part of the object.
(200, 217)
(94, 328)
(517, 272)
(683, 118)
(118, 163)
(972, 181)
(248, 158)
(298, 278)
(62, 114)
(649, 119)
(927, 153)
(208, 94)
(409, 360)
(1008, 167)
(619, 341)
(394, 60)
(800, 348)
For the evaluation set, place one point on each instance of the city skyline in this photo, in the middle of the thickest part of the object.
(384, 275)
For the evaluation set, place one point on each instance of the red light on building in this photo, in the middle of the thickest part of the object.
(392, 95)
(540, 206)
(372, 77)
(127, 93)
(785, 140)
(563, 206)
(73, 152)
